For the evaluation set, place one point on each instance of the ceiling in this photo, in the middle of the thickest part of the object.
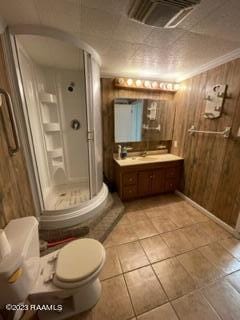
(133, 49)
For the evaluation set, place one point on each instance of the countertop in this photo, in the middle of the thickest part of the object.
(132, 160)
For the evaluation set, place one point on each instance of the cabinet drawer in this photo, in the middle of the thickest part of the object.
(129, 178)
(172, 172)
(170, 185)
(129, 192)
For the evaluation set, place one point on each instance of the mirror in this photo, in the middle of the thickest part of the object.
(138, 120)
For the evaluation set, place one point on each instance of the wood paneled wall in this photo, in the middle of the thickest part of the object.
(15, 194)
(109, 93)
(212, 163)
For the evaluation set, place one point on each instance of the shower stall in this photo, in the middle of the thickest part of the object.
(58, 81)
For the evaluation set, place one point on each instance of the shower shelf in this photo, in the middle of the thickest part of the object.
(55, 153)
(51, 126)
(48, 98)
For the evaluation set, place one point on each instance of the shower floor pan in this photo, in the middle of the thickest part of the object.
(68, 196)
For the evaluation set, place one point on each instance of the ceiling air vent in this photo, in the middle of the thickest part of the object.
(161, 13)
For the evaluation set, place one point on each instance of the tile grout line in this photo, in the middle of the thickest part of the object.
(129, 295)
(155, 273)
(198, 289)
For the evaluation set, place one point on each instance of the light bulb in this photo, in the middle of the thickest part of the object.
(130, 82)
(162, 85)
(138, 83)
(147, 84)
(154, 84)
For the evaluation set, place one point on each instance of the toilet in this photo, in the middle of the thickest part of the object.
(60, 284)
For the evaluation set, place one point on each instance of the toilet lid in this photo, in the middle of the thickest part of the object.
(79, 259)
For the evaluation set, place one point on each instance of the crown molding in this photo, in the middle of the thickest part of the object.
(3, 25)
(235, 54)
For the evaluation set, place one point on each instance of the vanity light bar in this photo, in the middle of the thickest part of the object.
(146, 84)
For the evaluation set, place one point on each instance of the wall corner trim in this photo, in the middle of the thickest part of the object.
(235, 54)
(233, 231)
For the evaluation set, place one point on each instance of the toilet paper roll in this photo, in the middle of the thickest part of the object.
(5, 247)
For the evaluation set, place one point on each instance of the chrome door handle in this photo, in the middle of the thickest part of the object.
(11, 149)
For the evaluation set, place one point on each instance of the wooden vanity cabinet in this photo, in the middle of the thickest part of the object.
(137, 181)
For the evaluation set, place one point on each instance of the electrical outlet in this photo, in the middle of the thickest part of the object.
(175, 143)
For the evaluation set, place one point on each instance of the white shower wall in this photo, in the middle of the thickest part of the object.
(71, 105)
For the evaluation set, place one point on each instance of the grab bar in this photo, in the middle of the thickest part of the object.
(225, 133)
(12, 150)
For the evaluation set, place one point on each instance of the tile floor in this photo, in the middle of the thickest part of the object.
(167, 261)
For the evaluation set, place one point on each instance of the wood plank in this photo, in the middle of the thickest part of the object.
(211, 162)
(15, 193)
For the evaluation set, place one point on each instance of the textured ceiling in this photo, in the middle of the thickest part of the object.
(127, 47)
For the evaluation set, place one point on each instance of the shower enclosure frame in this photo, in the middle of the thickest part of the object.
(55, 219)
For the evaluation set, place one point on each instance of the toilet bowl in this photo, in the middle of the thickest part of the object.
(66, 280)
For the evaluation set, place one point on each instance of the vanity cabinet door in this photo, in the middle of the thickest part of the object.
(145, 183)
(158, 181)
(171, 185)
(129, 192)
(129, 178)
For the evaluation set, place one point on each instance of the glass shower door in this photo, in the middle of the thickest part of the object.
(53, 81)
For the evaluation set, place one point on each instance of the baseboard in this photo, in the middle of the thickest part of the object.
(233, 231)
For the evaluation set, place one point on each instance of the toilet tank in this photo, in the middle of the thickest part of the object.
(19, 259)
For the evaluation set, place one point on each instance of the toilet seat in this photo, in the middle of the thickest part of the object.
(78, 260)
